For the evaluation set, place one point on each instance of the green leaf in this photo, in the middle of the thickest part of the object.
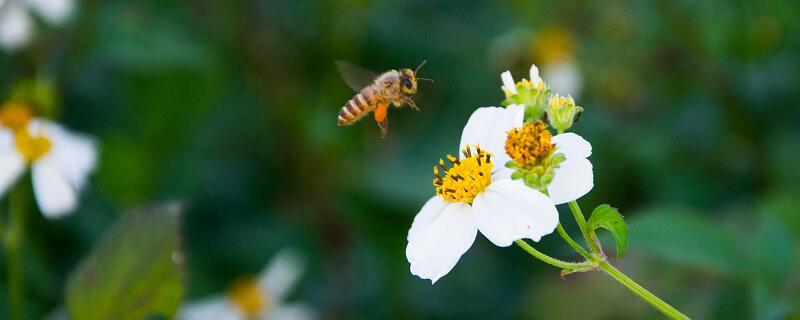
(607, 217)
(772, 251)
(135, 271)
(688, 237)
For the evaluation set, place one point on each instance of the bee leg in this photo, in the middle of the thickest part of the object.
(411, 104)
(381, 118)
(384, 125)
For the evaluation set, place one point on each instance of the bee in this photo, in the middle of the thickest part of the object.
(376, 93)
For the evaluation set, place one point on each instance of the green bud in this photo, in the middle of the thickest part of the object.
(561, 112)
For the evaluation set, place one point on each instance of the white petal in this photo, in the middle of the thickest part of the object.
(54, 194)
(53, 11)
(572, 146)
(502, 174)
(488, 128)
(564, 77)
(282, 274)
(436, 243)
(429, 211)
(12, 165)
(74, 155)
(508, 81)
(216, 308)
(573, 179)
(16, 26)
(295, 311)
(508, 210)
(534, 74)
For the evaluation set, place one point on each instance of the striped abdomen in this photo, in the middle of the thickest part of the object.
(359, 106)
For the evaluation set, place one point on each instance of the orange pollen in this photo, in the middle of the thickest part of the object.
(248, 296)
(15, 115)
(529, 144)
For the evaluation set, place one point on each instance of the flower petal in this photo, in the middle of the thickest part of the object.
(16, 27)
(572, 146)
(53, 11)
(534, 74)
(488, 128)
(508, 82)
(215, 308)
(438, 238)
(508, 210)
(573, 179)
(54, 194)
(12, 165)
(282, 274)
(74, 155)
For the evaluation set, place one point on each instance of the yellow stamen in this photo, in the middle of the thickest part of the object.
(32, 147)
(466, 178)
(529, 144)
(248, 296)
(15, 115)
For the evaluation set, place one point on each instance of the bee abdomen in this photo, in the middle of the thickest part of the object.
(356, 107)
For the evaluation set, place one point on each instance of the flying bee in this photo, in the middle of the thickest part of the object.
(377, 92)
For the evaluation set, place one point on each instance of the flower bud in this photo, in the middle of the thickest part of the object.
(562, 112)
(530, 93)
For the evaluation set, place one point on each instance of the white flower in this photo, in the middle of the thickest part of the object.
(564, 77)
(260, 298)
(60, 163)
(16, 24)
(473, 194)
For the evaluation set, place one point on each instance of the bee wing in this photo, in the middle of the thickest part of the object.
(355, 76)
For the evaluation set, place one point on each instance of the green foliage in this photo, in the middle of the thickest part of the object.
(687, 237)
(609, 218)
(136, 271)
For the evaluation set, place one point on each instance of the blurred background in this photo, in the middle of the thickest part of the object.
(230, 106)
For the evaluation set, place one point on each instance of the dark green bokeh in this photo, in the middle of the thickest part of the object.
(691, 108)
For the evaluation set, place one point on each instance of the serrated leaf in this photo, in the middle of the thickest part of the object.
(607, 217)
(135, 271)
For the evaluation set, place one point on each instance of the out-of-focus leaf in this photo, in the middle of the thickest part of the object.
(135, 271)
(772, 252)
(687, 237)
(609, 218)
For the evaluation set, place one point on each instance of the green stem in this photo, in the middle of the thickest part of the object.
(654, 301)
(587, 234)
(572, 242)
(550, 260)
(14, 237)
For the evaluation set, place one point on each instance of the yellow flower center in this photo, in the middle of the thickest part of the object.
(529, 144)
(15, 115)
(465, 178)
(32, 147)
(248, 296)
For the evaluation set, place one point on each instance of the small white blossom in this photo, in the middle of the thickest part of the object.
(17, 25)
(262, 298)
(60, 163)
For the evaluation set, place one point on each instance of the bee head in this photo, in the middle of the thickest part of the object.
(408, 81)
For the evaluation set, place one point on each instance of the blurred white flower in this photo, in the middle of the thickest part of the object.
(256, 298)
(60, 163)
(475, 194)
(16, 24)
(564, 76)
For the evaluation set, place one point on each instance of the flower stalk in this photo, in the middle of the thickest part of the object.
(597, 260)
(652, 299)
(13, 238)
